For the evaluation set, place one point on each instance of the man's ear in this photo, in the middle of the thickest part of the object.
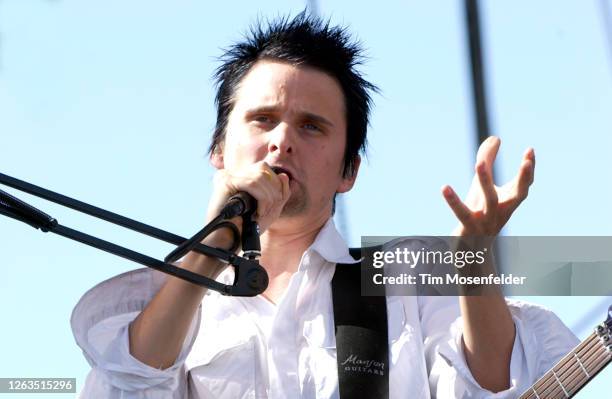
(347, 182)
(216, 157)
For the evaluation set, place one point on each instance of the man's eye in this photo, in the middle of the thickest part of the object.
(310, 126)
(262, 119)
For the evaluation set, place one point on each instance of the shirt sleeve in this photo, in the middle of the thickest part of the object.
(100, 324)
(541, 339)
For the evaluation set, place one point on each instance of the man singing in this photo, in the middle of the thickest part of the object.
(292, 117)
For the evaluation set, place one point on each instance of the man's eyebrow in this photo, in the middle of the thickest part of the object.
(302, 115)
(316, 118)
(265, 109)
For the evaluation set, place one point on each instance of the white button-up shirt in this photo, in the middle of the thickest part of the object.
(251, 348)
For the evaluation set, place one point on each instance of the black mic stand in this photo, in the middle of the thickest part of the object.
(250, 278)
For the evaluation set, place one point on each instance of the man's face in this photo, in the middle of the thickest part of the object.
(292, 118)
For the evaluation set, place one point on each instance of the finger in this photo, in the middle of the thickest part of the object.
(285, 193)
(487, 151)
(271, 183)
(530, 155)
(525, 179)
(265, 186)
(286, 188)
(485, 179)
(271, 177)
(278, 190)
(463, 213)
(268, 175)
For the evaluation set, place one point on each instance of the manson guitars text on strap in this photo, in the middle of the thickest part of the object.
(362, 347)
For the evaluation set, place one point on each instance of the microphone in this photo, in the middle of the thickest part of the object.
(243, 204)
(239, 204)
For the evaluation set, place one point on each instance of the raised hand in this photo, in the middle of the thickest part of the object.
(487, 207)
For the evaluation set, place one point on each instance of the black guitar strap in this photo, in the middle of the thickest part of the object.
(361, 336)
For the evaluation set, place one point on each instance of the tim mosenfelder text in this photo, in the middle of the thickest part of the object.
(458, 259)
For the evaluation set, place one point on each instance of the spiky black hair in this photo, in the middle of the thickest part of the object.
(307, 41)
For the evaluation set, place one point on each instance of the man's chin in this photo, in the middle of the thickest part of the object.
(295, 206)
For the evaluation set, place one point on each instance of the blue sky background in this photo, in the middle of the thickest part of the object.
(112, 103)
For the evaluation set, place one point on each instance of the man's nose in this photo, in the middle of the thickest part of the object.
(281, 139)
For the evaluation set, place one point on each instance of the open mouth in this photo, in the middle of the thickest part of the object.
(279, 170)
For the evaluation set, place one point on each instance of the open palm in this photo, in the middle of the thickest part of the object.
(487, 207)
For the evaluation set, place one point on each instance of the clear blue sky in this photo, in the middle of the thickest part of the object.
(111, 103)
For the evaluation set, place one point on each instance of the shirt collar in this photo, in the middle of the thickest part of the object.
(330, 245)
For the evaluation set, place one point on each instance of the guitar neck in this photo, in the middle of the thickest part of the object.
(576, 369)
